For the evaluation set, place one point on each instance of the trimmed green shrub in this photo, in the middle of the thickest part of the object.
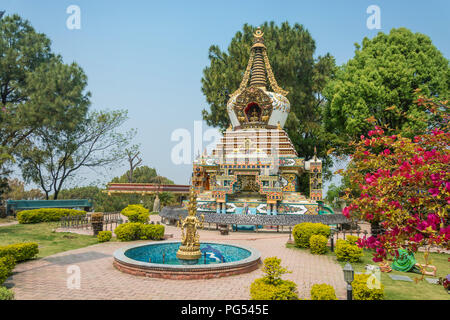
(318, 244)
(7, 264)
(128, 231)
(104, 236)
(322, 292)
(273, 270)
(271, 286)
(136, 213)
(362, 292)
(351, 239)
(20, 251)
(302, 232)
(152, 232)
(46, 215)
(260, 289)
(138, 231)
(346, 251)
(6, 294)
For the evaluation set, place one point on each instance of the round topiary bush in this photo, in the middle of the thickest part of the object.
(318, 244)
(322, 292)
(351, 239)
(104, 236)
(136, 213)
(271, 286)
(346, 251)
(302, 232)
(260, 289)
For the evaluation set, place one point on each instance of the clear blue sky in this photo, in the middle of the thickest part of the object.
(148, 56)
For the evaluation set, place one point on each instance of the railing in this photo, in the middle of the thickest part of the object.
(337, 234)
(110, 221)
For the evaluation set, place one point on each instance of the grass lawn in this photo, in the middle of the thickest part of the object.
(402, 290)
(49, 242)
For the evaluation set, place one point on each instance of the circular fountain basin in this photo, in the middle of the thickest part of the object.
(158, 260)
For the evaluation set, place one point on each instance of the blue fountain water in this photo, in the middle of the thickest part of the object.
(214, 253)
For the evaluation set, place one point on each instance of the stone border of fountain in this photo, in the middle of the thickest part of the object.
(185, 272)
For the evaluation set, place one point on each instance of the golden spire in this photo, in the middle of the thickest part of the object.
(258, 68)
(258, 75)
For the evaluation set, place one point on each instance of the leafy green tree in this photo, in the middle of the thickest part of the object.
(379, 84)
(334, 194)
(36, 89)
(142, 174)
(56, 155)
(17, 191)
(291, 53)
(30, 76)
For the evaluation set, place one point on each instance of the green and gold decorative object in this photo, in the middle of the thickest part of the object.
(404, 262)
(190, 239)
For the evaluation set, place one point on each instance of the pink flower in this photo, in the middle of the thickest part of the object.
(346, 212)
(434, 191)
(417, 237)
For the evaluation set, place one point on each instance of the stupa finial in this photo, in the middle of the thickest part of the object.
(258, 68)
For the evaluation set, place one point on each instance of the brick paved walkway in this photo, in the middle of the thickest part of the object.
(47, 278)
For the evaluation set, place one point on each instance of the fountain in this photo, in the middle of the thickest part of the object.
(188, 259)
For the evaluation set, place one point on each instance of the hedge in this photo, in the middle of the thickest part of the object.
(302, 232)
(260, 289)
(46, 215)
(6, 294)
(346, 251)
(20, 251)
(7, 264)
(362, 292)
(138, 231)
(322, 292)
(104, 236)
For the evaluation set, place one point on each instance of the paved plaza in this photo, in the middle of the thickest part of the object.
(47, 278)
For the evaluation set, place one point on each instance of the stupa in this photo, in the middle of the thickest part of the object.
(255, 168)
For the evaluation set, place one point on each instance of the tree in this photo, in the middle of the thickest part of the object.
(143, 174)
(404, 184)
(379, 84)
(334, 194)
(24, 56)
(36, 88)
(290, 50)
(17, 191)
(133, 155)
(56, 154)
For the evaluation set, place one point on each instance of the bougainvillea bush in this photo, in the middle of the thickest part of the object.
(403, 184)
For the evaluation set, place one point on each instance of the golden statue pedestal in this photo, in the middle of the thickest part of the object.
(189, 253)
(190, 240)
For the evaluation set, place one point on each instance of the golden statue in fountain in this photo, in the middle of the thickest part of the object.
(190, 240)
